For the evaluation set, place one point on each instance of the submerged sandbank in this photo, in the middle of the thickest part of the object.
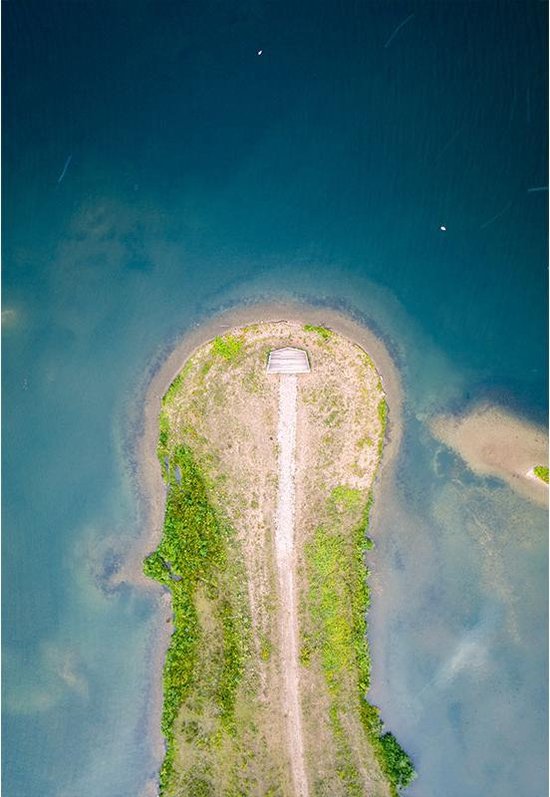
(493, 442)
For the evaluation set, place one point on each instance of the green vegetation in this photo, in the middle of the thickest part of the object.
(168, 397)
(192, 555)
(306, 650)
(164, 435)
(265, 649)
(542, 472)
(323, 332)
(232, 669)
(397, 763)
(338, 600)
(383, 418)
(328, 592)
(345, 498)
(228, 347)
(345, 769)
(383, 413)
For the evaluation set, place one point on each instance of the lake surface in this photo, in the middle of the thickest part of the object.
(157, 169)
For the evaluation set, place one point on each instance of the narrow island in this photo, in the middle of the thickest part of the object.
(270, 440)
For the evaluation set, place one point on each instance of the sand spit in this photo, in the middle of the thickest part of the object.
(152, 488)
(494, 442)
(153, 491)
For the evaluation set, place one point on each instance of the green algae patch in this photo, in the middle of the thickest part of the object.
(541, 472)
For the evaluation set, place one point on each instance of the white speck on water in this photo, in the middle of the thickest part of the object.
(443, 228)
(260, 52)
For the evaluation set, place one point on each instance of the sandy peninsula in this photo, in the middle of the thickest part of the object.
(152, 488)
(494, 442)
(268, 668)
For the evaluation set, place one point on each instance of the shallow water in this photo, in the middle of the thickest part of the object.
(203, 175)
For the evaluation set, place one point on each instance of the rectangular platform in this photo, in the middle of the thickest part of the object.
(288, 361)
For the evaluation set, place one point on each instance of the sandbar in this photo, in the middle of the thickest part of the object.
(493, 442)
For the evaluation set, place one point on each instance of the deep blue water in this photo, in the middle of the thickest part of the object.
(202, 174)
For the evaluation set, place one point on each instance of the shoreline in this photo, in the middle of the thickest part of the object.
(151, 488)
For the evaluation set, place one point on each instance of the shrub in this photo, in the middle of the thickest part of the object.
(323, 332)
(194, 544)
(227, 347)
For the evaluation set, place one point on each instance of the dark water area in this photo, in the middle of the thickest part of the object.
(157, 169)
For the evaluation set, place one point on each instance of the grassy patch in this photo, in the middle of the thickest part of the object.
(344, 498)
(232, 669)
(338, 600)
(193, 552)
(329, 605)
(383, 418)
(172, 391)
(265, 649)
(334, 419)
(323, 332)
(304, 655)
(346, 771)
(163, 441)
(252, 381)
(541, 472)
(228, 347)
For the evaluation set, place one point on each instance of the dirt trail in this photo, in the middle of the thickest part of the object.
(284, 548)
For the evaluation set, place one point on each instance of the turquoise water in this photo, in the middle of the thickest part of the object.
(203, 175)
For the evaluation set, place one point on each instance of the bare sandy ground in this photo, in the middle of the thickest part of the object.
(495, 443)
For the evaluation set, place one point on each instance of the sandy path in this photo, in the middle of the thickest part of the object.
(284, 543)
